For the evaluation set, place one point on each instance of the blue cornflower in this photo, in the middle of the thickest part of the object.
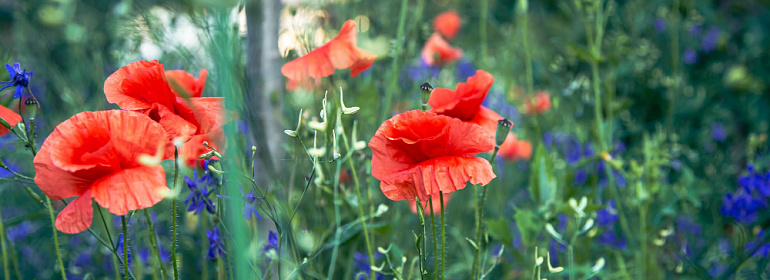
(422, 71)
(660, 25)
(216, 244)
(607, 216)
(19, 79)
(710, 40)
(750, 198)
(718, 132)
(250, 207)
(614, 240)
(21, 231)
(200, 189)
(272, 242)
(361, 264)
(465, 70)
(689, 56)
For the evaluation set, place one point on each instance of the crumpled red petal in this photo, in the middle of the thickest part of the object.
(175, 125)
(446, 174)
(130, 189)
(437, 51)
(193, 87)
(10, 117)
(465, 100)
(339, 53)
(77, 216)
(138, 85)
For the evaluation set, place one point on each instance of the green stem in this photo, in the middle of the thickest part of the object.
(6, 267)
(483, 31)
(642, 241)
(154, 243)
(571, 261)
(337, 222)
(173, 216)
(125, 246)
(421, 251)
(393, 87)
(435, 239)
(674, 63)
(524, 25)
(56, 239)
(369, 249)
(476, 271)
(443, 236)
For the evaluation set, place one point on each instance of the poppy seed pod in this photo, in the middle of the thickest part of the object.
(503, 127)
(426, 90)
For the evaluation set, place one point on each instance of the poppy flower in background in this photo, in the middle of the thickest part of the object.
(339, 53)
(96, 154)
(143, 86)
(447, 24)
(436, 204)
(465, 101)
(418, 154)
(541, 104)
(513, 149)
(438, 52)
(9, 116)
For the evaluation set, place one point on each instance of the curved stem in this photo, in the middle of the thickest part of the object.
(154, 243)
(56, 239)
(435, 239)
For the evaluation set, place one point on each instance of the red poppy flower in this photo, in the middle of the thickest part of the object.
(339, 53)
(418, 154)
(542, 103)
(143, 86)
(9, 116)
(96, 154)
(436, 204)
(448, 24)
(438, 52)
(513, 149)
(465, 101)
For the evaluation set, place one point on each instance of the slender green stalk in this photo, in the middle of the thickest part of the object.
(56, 239)
(476, 271)
(421, 251)
(337, 222)
(154, 243)
(674, 64)
(369, 248)
(173, 216)
(483, 31)
(393, 87)
(14, 261)
(435, 239)
(125, 246)
(443, 236)
(571, 261)
(642, 271)
(524, 25)
(6, 267)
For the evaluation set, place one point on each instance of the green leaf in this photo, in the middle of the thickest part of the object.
(500, 229)
(529, 226)
(5, 123)
(542, 182)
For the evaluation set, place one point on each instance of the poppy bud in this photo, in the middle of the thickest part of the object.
(503, 127)
(426, 90)
(31, 107)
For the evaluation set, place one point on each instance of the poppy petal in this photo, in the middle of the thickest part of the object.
(463, 102)
(446, 174)
(513, 149)
(55, 182)
(437, 51)
(130, 189)
(487, 119)
(340, 53)
(194, 147)
(138, 85)
(193, 87)
(77, 216)
(448, 24)
(174, 125)
(135, 135)
(82, 143)
(210, 113)
(9, 116)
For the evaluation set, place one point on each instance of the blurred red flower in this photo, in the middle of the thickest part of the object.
(465, 101)
(513, 149)
(144, 86)
(436, 204)
(541, 104)
(9, 116)
(339, 53)
(448, 24)
(418, 154)
(438, 52)
(96, 154)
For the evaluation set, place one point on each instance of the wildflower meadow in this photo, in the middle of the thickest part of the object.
(374, 140)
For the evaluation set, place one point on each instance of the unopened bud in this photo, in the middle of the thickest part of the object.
(31, 108)
(426, 90)
(253, 148)
(503, 127)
